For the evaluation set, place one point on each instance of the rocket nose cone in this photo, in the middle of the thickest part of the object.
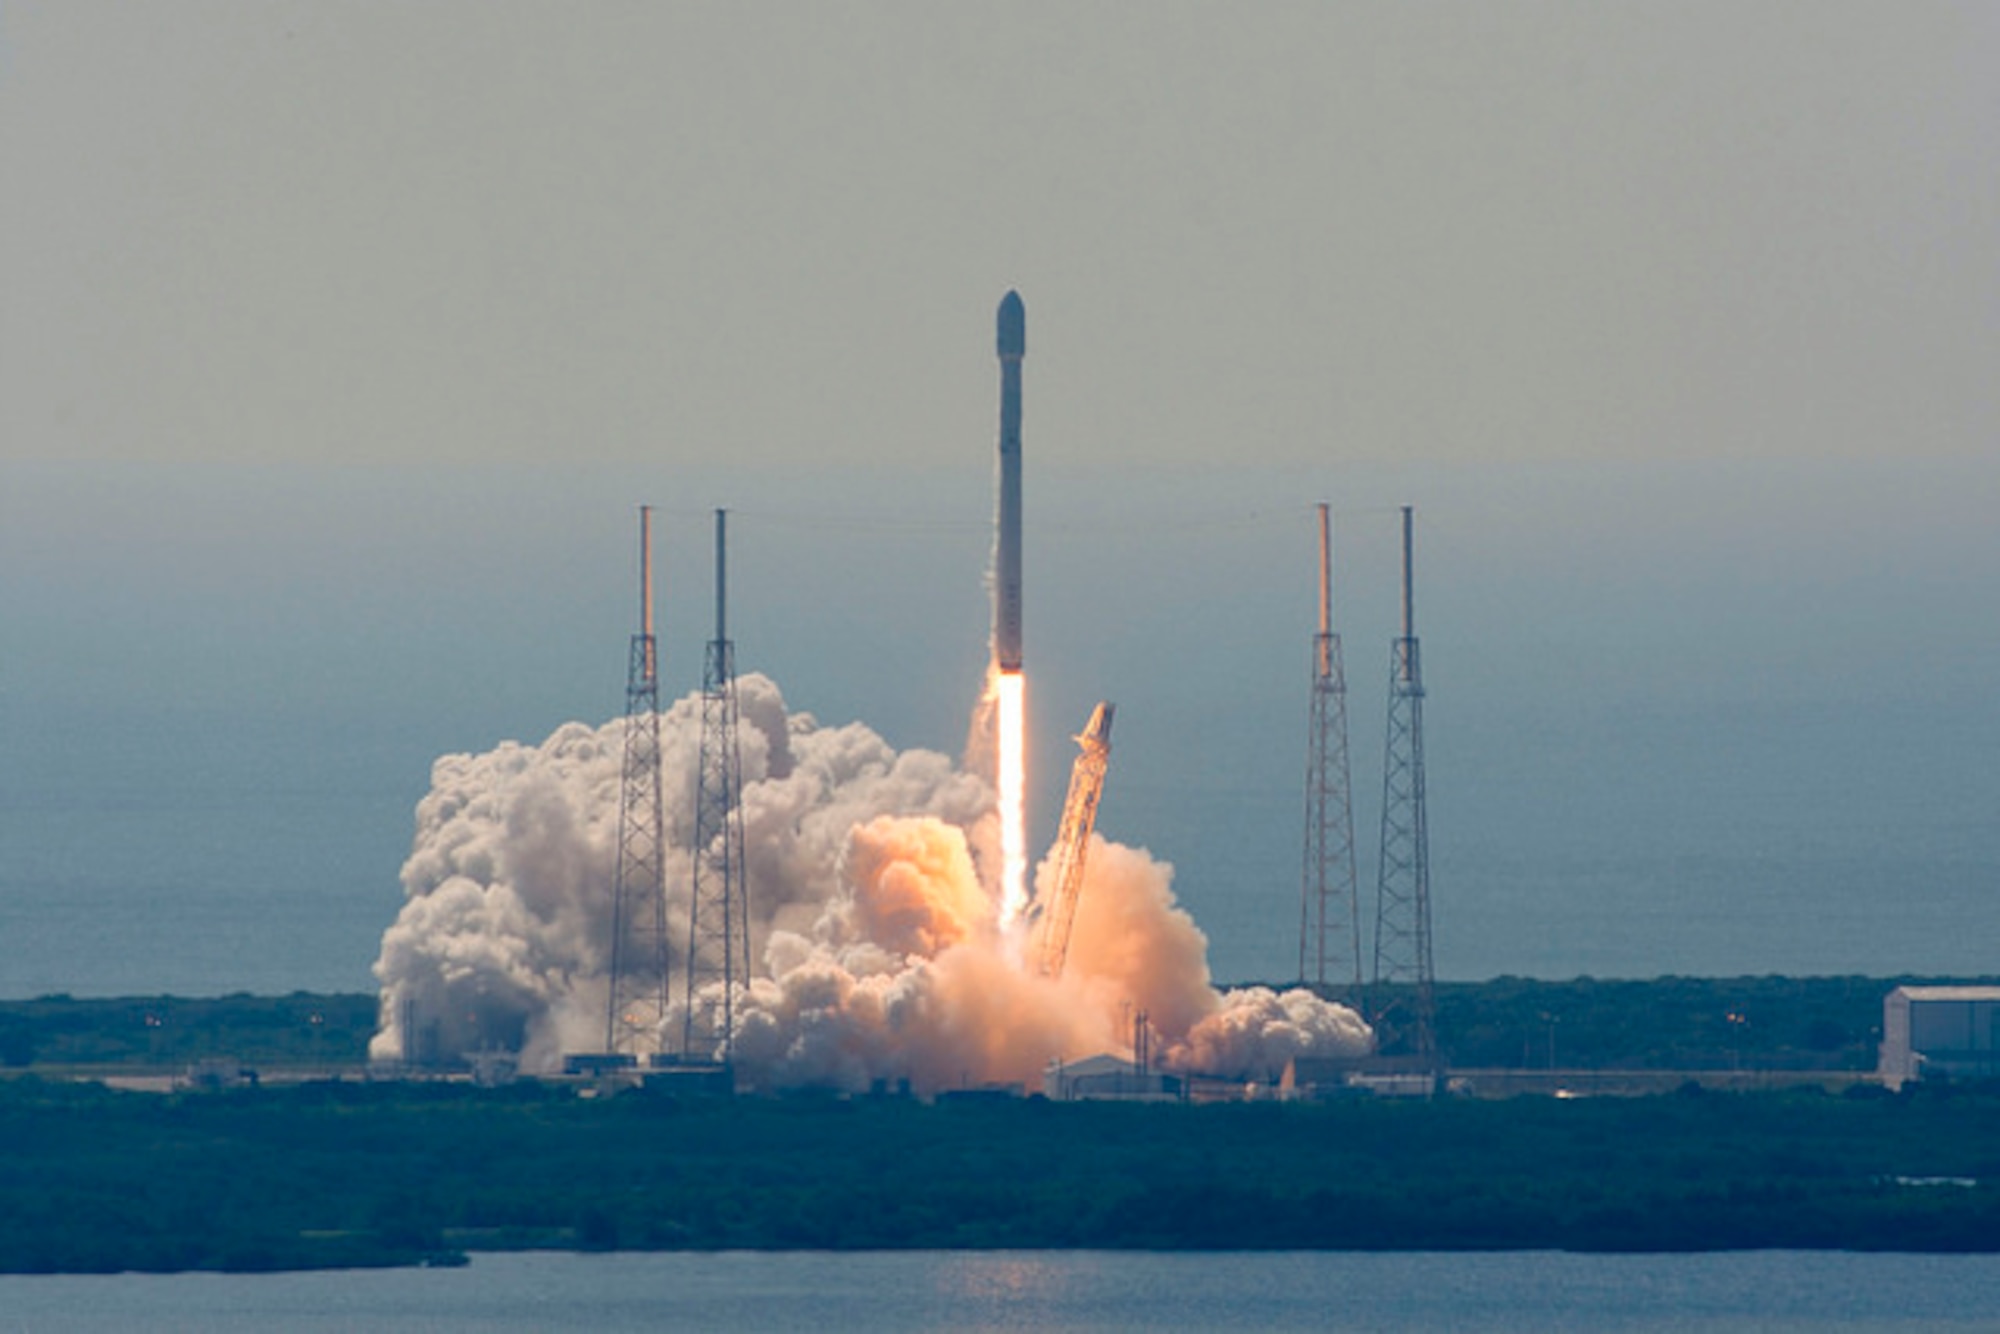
(1013, 326)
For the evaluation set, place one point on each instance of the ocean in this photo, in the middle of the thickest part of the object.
(1670, 742)
(214, 854)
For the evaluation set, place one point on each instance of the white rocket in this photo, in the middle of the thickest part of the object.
(1013, 345)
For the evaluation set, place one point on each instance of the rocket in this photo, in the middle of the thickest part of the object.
(1013, 345)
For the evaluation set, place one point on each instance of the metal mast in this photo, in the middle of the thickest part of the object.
(638, 1003)
(719, 912)
(1329, 902)
(1403, 892)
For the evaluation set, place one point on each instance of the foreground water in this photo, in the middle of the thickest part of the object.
(1046, 1290)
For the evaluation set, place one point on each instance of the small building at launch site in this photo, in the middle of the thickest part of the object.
(1097, 1078)
(1940, 1033)
(598, 1064)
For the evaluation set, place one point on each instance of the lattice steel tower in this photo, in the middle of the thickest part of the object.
(1405, 985)
(638, 1005)
(1329, 902)
(719, 912)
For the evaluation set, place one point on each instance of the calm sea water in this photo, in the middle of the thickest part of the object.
(1769, 1292)
(1691, 719)
(254, 870)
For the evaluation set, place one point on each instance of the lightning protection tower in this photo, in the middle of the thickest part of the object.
(638, 1004)
(1405, 986)
(1329, 902)
(719, 912)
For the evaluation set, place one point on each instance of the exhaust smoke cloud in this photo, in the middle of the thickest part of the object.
(876, 899)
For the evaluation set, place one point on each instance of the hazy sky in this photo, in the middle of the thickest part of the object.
(486, 232)
(337, 343)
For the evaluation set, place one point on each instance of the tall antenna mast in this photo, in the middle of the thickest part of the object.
(1329, 902)
(638, 1001)
(1405, 984)
(719, 909)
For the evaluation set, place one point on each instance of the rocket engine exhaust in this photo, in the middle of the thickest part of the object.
(1011, 783)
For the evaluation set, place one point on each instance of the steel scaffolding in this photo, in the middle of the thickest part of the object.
(1329, 901)
(639, 954)
(1405, 1001)
(719, 911)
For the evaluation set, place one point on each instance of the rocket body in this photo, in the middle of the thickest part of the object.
(1012, 346)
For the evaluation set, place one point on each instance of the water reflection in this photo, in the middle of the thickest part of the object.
(989, 1276)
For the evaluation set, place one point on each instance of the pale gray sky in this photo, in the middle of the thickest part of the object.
(507, 232)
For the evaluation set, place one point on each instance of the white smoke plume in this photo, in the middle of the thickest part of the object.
(872, 921)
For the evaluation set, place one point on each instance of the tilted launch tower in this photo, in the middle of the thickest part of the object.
(1079, 819)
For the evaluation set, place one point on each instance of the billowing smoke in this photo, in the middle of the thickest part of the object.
(873, 905)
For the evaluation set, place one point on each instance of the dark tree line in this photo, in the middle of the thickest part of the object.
(350, 1173)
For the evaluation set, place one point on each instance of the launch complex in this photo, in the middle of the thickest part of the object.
(677, 989)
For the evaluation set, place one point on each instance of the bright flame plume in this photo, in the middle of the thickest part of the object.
(1010, 775)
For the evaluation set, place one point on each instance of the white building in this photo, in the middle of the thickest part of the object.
(1932, 1032)
(1110, 1077)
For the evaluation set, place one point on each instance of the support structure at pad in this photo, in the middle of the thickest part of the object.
(1404, 1003)
(718, 963)
(639, 953)
(1329, 899)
